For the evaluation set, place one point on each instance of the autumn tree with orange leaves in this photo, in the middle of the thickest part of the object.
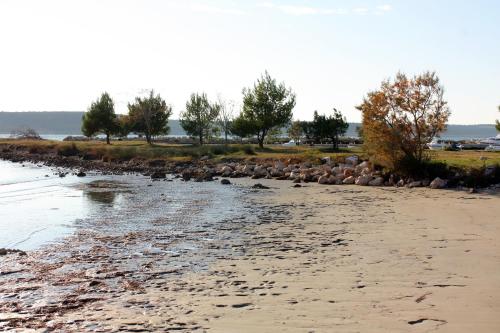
(401, 118)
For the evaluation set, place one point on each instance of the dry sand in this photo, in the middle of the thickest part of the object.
(337, 259)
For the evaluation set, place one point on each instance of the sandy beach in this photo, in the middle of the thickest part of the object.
(331, 259)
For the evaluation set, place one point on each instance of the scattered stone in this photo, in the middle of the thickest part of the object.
(438, 183)
(363, 180)
(260, 186)
(225, 182)
(349, 180)
(379, 181)
(158, 175)
(81, 174)
(416, 183)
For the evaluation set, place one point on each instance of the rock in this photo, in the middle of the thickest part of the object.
(156, 163)
(400, 183)
(158, 175)
(348, 172)
(186, 175)
(297, 185)
(363, 180)
(472, 190)
(352, 160)
(297, 181)
(226, 171)
(81, 174)
(349, 180)
(260, 186)
(204, 158)
(259, 172)
(379, 181)
(426, 182)
(279, 166)
(225, 182)
(416, 183)
(323, 180)
(438, 183)
(337, 170)
(326, 160)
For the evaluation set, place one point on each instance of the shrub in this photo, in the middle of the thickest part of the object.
(68, 150)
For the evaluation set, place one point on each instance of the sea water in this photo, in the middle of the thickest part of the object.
(38, 208)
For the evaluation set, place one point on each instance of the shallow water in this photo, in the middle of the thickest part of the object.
(37, 207)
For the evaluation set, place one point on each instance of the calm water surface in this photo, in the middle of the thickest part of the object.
(37, 207)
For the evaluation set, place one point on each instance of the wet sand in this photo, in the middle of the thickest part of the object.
(321, 259)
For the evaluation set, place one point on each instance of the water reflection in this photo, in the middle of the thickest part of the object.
(101, 197)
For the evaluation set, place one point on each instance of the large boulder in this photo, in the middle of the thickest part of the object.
(324, 179)
(363, 180)
(260, 171)
(379, 181)
(352, 160)
(279, 165)
(348, 172)
(349, 180)
(158, 175)
(438, 183)
(416, 183)
(226, 171)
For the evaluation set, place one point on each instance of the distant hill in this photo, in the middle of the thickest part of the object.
(69, 123)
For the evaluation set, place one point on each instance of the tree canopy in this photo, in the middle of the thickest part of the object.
(330, 127)
(402, 117)
(100, 118)
(295, 131)
(149, 116)
(498, 122)
(266, 106)
(199, 118)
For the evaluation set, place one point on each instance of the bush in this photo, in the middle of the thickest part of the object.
(68, 150)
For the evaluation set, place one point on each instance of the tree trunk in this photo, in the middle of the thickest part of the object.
(225, 137)
(107, 139)
(201, 139)
(148, 138)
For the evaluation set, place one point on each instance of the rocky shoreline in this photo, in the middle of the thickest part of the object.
(346, 171)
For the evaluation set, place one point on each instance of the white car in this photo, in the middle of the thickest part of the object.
(290, 143)
(492, 148)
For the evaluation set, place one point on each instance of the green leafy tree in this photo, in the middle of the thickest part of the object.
(330, 127)
(200, 116)
(100, 118)
(268, 105)
(295, 131)
(226, 117)
(242, 127)
(149, 116)
(498, 122)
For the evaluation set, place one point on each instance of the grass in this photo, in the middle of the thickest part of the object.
(125, 150)
(466, 158)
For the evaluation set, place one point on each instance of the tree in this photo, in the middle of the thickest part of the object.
(100, 118)
(498, 122)
(149, 116)
(308, 130)
(242, 127)
(295, 131)
(199, 118)
(226, 116)
(267, 106)
(25, 133)
(402, 117)
(330, 127)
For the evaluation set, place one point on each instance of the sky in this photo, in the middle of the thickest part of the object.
(60, 55)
